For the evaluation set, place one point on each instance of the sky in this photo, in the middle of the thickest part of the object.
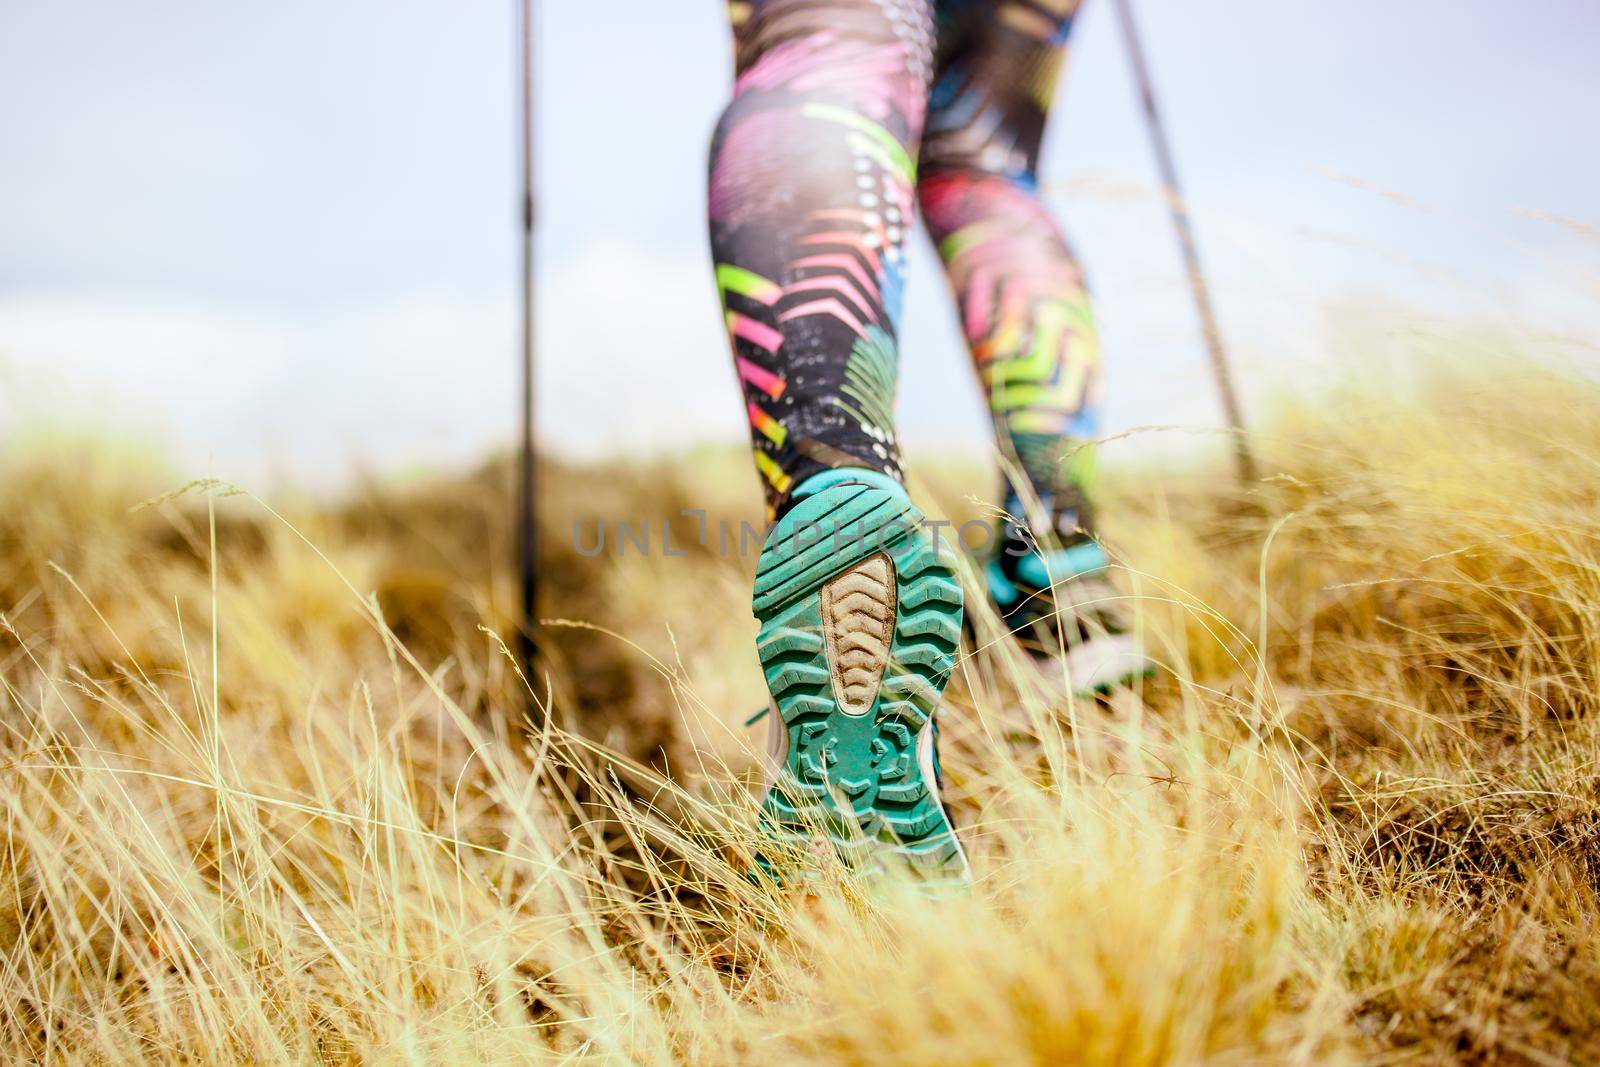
(280, 238)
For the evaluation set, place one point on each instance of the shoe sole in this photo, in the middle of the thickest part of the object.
(860, 624)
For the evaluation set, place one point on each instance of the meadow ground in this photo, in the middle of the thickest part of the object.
(269, 794)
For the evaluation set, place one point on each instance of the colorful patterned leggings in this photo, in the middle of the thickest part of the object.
(846, 115)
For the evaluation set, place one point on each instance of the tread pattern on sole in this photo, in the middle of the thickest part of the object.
(851, 576)
(857, 613)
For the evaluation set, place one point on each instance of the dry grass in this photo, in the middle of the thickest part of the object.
(268, 795)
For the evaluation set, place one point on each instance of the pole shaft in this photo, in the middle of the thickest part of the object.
(527, 470)
(1198, 288)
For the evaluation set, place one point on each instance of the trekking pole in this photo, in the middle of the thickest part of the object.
(527, 471)
(1244, 459)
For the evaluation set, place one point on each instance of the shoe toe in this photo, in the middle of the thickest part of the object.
(1106, 661)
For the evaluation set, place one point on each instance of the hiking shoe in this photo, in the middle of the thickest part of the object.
(1062, 602)
(860, 612)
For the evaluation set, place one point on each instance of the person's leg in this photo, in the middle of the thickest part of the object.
(812, 191)
(1023, 304)
(1024, 309)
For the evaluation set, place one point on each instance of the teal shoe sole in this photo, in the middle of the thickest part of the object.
(860, 611)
